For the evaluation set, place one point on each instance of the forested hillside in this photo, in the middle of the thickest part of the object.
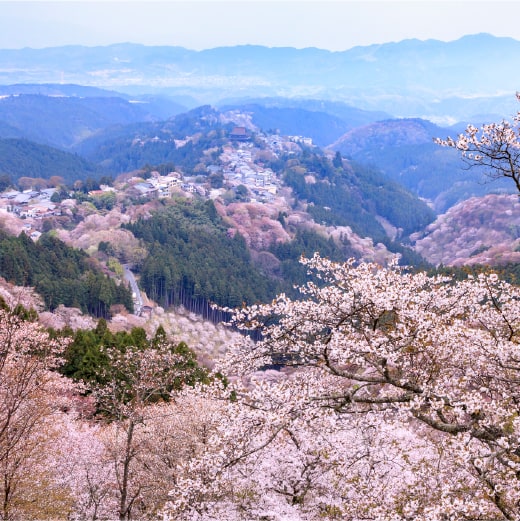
(404, 151)
(193, 259)
(23, 158)
(193, 256)
(357, 196)
(62, 275)
(481, 230)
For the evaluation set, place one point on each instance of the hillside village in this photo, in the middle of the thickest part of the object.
(251, 196)
(242, 177)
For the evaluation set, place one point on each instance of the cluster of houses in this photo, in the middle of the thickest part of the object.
(30, 203)
(158, 186)
(236, 165)
(239, 168)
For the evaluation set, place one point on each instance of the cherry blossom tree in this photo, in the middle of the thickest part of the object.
(174, 435)
(495, 147)
(83, 467)
(399, 401)
(133, 379)
(32, 395)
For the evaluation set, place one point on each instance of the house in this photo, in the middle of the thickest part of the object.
(191, 189)
(46, 193)
(10, 195)
(146, 190)
(22, 199)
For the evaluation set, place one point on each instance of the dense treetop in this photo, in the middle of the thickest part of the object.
(61, 274)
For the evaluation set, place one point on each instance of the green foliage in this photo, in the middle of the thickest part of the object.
(18, 157)
(191, 372)
(481, 249)
(83, 356)
(216, 180)
(337, 162)
(106, 201)
(305, 243)
(193, 260)
(114, 265)
(106, 247)
(61, 274)
(86, 359)
(60, 194)
(241, 193)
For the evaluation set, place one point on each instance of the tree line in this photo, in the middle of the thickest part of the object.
(60, 274)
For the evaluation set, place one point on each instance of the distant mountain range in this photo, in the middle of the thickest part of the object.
(475, 76)
(379, 105)
(103, 126)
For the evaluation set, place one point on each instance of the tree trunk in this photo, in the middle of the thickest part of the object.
(124, 508)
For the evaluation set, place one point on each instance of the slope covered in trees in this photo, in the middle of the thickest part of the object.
(404, 151)
(194, 259)
(62, 275)
(356, 196)
(23, 158)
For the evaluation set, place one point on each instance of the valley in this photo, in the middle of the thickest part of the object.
(279, 193)
(249, 284)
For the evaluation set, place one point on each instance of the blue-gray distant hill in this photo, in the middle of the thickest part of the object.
(23, 158)
(403, 150)
(54, 118)
(442, 81)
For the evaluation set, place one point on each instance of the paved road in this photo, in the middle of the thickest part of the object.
(136, 294)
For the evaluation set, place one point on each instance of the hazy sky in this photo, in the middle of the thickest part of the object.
(202, 24)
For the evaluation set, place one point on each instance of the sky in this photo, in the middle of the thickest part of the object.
(334, 25)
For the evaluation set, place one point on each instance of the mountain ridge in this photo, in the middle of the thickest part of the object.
(408, 78)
